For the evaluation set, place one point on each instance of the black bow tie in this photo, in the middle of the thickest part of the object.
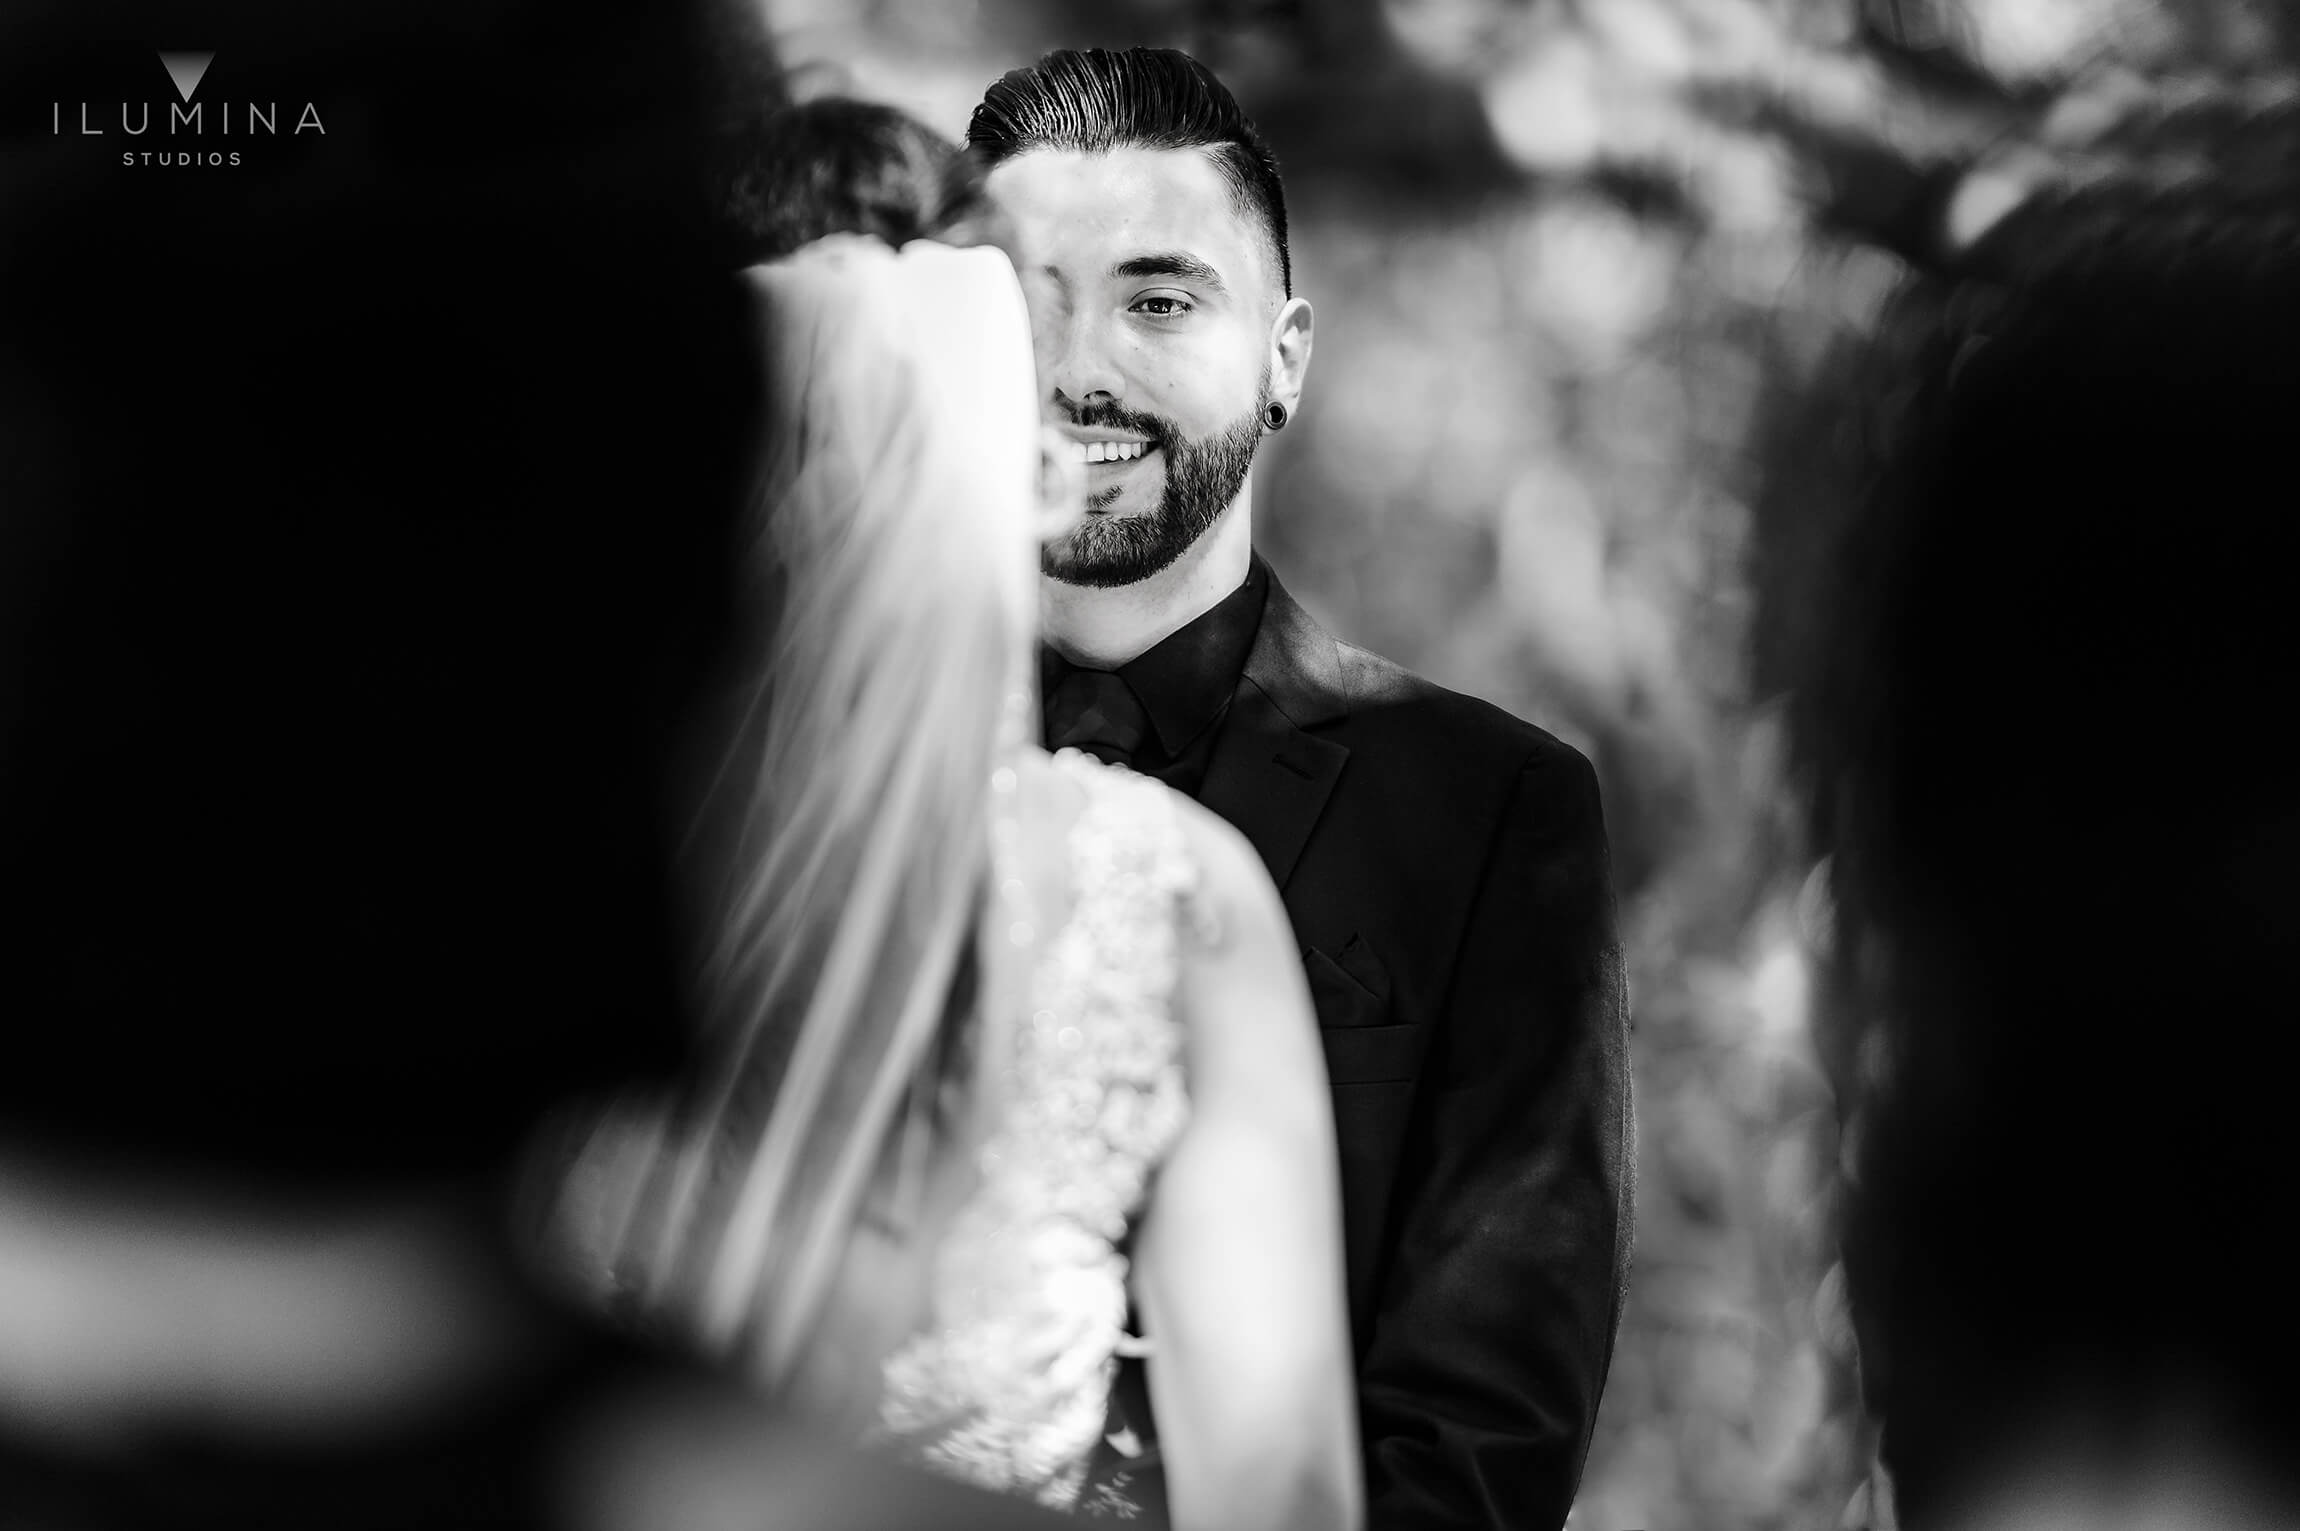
(1092, 710)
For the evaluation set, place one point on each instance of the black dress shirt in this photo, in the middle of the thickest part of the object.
(1184, 683)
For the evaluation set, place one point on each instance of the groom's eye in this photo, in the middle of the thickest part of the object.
(1161, 306)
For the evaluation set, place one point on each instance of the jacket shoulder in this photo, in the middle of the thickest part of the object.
(1390, 702)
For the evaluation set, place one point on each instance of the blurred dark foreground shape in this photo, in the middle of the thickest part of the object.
(364, 510)
(2047, 731)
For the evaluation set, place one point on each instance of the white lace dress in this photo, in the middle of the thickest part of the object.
(1008, 1384)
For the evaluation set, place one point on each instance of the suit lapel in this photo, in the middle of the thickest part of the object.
(1271, 774)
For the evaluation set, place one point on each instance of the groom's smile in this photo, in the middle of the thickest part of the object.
(1115, 459)
(1108, 478)
(1112, 451)
(1112, 458)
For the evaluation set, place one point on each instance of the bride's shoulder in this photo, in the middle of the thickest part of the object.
(1243, 999)
(1235, 902)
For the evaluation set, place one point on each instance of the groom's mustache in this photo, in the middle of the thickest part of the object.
(1110, 417)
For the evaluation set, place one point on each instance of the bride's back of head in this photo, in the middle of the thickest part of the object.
(893, 572)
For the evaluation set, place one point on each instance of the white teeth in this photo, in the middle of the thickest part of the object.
(1111, 451)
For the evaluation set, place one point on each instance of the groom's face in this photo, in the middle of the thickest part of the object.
(1152, 297)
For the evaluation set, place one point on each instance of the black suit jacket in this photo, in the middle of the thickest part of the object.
(1445, 868)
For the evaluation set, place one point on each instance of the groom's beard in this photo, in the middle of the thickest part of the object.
(1202, 478)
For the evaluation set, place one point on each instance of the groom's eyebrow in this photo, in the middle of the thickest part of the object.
(1176, 263)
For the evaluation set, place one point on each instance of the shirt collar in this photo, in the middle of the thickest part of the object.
(1184, 679)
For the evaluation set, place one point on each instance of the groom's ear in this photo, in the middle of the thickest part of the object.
(1291, 334)
(1061, 485)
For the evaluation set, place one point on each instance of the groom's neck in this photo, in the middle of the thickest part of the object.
(1103, 629)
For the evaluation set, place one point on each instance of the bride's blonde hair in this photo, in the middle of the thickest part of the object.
(893, 523)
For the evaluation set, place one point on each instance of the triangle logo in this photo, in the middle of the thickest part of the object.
(186, 69)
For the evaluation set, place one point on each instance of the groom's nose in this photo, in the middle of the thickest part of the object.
(1074, 362)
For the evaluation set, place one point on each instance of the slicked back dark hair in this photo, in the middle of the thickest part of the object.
(1096, 99)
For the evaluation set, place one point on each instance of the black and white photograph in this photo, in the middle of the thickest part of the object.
(1219, 765)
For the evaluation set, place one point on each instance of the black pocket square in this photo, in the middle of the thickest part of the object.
(1353, 990)
(1358, 960)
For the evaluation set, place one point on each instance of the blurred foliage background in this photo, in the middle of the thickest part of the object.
(1591, 279)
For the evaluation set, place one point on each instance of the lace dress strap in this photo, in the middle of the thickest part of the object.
(1008, 1385)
